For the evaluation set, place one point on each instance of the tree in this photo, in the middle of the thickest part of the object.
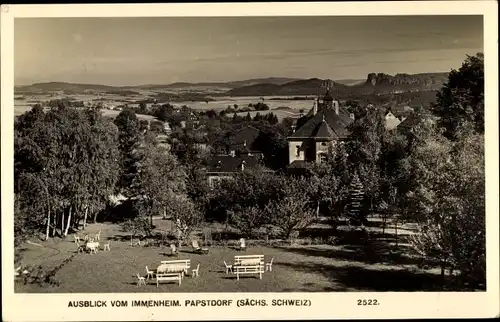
(164, 112)
(248, 219)
(257, 117)
(129, 138)
(448, 199)
(186, 217)
(211, 113)
(65, 162)
(247, 117)
(292, 212)
(364, 150)
(160, 178)
(143, 108)
(324, 185)
(461, 100)
(356, 196)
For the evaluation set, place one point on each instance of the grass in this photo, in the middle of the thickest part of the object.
(310, 268)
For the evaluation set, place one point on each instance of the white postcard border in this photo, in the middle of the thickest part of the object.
(53, 307)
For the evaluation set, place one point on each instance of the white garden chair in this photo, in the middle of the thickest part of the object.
(196, 271)
(81, 248)
(150, 273)
(174, 250)
(98, 236)
(269, 266)
(243, 245)
(229, 268)
(140, 280)
(106, 246)
(77, 239)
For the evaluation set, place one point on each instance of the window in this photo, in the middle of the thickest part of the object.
(323, 143)
(297, 151)
(322, 157)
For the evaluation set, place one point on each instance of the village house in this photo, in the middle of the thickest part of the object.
(324, 126)
(243, 140)
(223, 167)
(240, 155)
(397, 115)
(391, 121)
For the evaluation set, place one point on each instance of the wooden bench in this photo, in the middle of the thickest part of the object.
(182, 264)
(248, 264)
(160, 277)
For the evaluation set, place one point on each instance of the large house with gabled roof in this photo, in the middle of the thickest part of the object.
(323, 127)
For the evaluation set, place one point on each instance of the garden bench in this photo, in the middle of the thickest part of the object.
(160, 277)
(181, 265)
(248, 264)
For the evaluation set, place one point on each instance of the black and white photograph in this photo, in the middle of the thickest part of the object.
(248, 154)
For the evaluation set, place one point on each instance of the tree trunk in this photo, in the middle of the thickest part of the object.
(62, 224)
(68, 221)
(54, 225)
(95, 217)
(48, 226)
(85, 217)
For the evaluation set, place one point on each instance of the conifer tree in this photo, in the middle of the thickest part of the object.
(356, 196)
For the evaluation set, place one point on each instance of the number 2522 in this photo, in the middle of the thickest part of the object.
(368, 302)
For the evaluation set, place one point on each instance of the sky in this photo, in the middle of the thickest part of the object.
(162, 50)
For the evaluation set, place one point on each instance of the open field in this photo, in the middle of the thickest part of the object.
(23, 105)
(307, 268)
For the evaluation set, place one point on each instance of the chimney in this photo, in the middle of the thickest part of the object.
(243, 165)
(336, 107)
(245, 143)
(293, 128)
(315, 106)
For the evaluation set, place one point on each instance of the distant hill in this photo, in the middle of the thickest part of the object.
(61, 86)
(375, 84)
(80, 88)
(227, 85)
(383, 83)
(310, 86)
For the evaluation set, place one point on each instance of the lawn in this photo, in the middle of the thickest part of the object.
(303, 268)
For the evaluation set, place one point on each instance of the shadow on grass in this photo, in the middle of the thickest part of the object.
(368, 280)
(369, 254)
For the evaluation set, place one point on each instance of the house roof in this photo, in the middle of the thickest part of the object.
(323, 130)
(247, 134)
(401, 111)
(336, 124)
(230, 164)
(409, 122)
(298, 164)
(391, 121)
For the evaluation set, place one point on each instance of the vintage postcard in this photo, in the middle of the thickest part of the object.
(262, 161)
